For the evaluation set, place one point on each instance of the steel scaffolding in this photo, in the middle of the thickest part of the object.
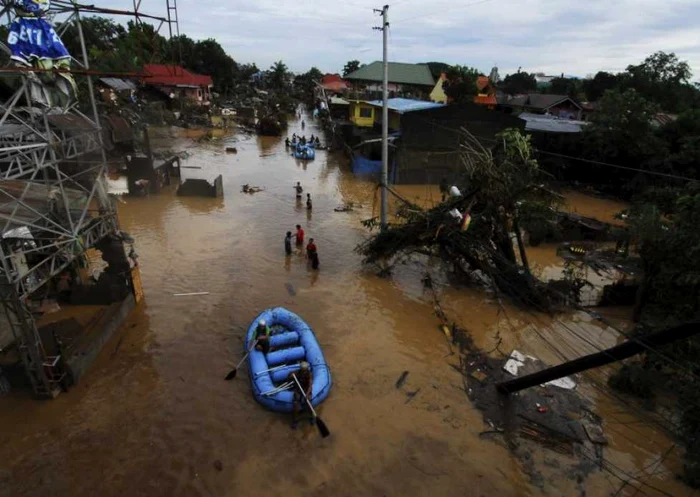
(54, 203)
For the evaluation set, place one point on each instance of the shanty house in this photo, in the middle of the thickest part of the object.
(397, 108)
(361, 113)
(178, 82)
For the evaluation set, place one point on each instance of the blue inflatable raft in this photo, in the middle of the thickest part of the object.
(304, 152)
(291, 342)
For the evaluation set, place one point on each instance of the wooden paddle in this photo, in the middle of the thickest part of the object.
(232, 374)
(322, 428)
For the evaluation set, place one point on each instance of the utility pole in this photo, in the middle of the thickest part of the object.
(617, 353)
(385, 114)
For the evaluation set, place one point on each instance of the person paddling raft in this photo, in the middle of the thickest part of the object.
(262, 336)
(305, 379)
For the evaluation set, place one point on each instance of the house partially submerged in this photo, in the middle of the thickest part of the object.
(536, 103)
(177, 82)
(428, 150)
(397, 108)
(404, 79)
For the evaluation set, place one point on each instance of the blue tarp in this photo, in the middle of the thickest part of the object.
(362, 166)
(402, 105)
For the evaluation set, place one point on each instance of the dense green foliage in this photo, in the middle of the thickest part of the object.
(461, 83)
(351, 66)
(519, 82)
(115, 48)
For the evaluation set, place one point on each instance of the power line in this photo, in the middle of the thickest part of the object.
(599, 163)
(571, 157)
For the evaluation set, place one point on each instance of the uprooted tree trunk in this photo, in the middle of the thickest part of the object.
(504, 190)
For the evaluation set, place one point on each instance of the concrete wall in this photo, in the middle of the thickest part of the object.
(110, 322)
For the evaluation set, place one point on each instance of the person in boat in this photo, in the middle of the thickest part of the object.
(311, 140)
(262, 335)
(306, 380)
(299, 235)
(286, 142)
(318, 142)
(308, 201)
(303, 140)
(294, 137)
(288, 243)
(312, 253)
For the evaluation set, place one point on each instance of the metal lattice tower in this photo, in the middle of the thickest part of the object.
(53, 196)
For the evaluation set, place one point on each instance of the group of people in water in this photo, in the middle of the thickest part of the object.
(301, 140)
(311, 248)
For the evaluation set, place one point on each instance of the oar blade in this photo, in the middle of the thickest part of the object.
(232, 374)
(322, 428)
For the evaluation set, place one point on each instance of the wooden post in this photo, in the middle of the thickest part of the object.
(614, 354)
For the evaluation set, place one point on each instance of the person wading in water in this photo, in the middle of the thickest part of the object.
(312, 253)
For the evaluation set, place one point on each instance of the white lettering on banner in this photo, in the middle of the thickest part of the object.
(12, 38)
(37, 34)
(23, 34)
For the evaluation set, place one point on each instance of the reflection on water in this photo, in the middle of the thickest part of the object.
(153, 416)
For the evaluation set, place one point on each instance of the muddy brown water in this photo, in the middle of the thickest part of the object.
(153, 416)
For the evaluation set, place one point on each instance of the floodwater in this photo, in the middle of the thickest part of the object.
(153, 417)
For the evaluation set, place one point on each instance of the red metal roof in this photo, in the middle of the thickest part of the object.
(482, 82)
(333, 82)
(485, 99)
(162, 74)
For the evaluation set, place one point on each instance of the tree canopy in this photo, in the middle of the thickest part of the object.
(351, 66)
(113, 47)
(519, 82)
(461, 83)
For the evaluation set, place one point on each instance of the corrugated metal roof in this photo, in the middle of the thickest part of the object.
(538, 101)
(119, 84)
(162, 74)
(339, 101)
(407, 74)
(485, 99)
(538, 122)
(403, 105)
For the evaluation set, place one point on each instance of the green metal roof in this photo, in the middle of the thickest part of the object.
(407, 74)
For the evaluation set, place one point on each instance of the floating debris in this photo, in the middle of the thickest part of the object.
(402, 379)
(250, 189)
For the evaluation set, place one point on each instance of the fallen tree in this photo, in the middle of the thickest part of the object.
(505, 193)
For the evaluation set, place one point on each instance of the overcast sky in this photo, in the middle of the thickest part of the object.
(577, 37)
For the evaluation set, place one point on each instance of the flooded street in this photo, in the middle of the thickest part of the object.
(153, 415)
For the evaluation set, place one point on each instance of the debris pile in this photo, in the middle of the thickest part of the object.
(474, 231)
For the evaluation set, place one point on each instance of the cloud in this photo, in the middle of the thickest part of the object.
(553, 36)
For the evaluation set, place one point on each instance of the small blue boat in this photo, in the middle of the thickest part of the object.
(291, 342)
(304, 152)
